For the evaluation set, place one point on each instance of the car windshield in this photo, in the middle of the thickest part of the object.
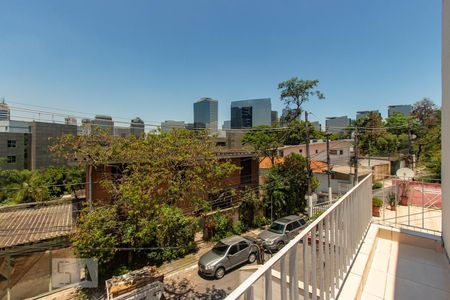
(277, 228)
(220, 248)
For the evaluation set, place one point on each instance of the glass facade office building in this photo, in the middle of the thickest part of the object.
(206, 114)
(251, 113)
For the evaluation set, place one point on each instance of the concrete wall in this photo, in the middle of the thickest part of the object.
(318, 151)
(446, 124)
(21, 151)
(42, 136)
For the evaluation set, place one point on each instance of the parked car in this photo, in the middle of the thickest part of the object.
(281, 231)
(226, 254)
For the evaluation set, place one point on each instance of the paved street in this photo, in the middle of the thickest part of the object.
(188, 284)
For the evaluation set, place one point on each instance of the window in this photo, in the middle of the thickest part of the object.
(341, 152)
(233, 250)
(333, 152)
(11, 143)
(295, 225)
(302, 222)
(290, 227)
(11, 159)
(301, 150)
(317, 150)
(242, 245)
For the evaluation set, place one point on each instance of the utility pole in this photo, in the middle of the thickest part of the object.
(308, 166)
(411, 156)
(355, 181)
(330, 195)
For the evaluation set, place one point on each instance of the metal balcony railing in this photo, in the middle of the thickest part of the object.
(314, 264)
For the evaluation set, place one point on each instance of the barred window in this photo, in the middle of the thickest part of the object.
(11, 143)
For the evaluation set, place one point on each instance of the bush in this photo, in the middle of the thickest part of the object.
(377, 202)
(261, 221)
(377, 185)
(175, 234)
(250, 209)
(317, 214)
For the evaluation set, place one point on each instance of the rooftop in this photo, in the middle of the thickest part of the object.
(24, 224)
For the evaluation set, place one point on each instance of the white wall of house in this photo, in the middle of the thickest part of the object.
(338, 187)
(446, 123)
(340, 151)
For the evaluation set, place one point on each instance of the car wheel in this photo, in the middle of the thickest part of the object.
(252, 258)
(280, 245)
(220, 272)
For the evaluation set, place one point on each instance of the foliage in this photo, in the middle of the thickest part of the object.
(157, 173)
(260, 221)
(175, 167)
(174, 234)
(377, 185)
(250, 209)
(377, 202)
(317, 214)
(295, 92)
(97, 235)
(264, 141)
(222, 226)
(102, 232)
(22, 186)
(288, 184)
(392, 199)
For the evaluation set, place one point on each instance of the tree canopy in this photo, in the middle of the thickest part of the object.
(294, 93)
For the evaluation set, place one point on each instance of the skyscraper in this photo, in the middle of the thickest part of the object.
(251, 113)
(4, 111)
(137, 127)
(206, 114)
(337, 124)
(405, 110)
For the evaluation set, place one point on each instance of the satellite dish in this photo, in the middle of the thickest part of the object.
(405, 173)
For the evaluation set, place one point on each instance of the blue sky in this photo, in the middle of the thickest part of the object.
(153, 59)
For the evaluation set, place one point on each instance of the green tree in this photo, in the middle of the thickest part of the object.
(287, 183)
(294, 93)
(264, 141)
(426, 128)
(158, 173)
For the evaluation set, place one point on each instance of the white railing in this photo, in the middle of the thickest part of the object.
(315, 262)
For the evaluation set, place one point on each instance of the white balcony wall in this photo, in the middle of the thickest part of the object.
(446, 123)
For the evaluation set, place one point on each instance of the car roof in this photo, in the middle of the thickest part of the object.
(288, 219)
(232, 239)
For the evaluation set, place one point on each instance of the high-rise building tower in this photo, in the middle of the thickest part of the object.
(206, 114)
(251, 113)
(4, 111)
(337, 124)
(137, 127)
(405, 110)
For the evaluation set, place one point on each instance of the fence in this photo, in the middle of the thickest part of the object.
(417, 204)
(326, 247)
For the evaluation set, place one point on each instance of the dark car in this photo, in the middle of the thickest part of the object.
(226, 254)
(281, 231)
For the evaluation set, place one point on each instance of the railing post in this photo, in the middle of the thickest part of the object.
(423, 205)
(249, 293)
(305, 268)
(293, 279)
(321, 267)
(332, 252)
(327, 258)
(268, 284)
(283, 278)
(313, 264)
